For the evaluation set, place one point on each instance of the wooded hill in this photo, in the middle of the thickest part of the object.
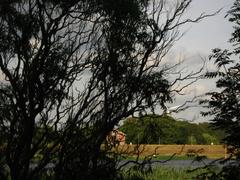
(164, 129)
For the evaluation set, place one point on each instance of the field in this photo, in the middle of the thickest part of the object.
(211, 151)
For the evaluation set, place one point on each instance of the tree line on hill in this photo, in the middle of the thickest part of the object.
(164, 129)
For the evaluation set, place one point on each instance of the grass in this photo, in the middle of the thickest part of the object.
(163, 173)
(174, 157)
(159, 157)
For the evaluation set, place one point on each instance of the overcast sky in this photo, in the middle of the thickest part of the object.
(197, 43)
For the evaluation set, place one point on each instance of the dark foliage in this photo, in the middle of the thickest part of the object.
(224, 104)
(71, 70)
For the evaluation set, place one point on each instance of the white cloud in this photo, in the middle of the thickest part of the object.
(197, 44)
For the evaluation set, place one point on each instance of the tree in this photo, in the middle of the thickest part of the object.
(150, 129)
(72, 70)
(164, 129)
(224, 104)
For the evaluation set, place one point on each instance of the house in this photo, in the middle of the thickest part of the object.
(116, 137)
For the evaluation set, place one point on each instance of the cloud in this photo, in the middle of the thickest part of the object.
(196, 45)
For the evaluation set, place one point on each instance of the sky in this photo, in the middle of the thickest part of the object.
(197, 43)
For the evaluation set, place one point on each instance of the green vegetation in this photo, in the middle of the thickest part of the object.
(155, 129)
(160, 157)
(165, 173)
(224, 103)
(71, 71)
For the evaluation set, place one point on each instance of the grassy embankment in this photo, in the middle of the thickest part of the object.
(179, 151)
(163, 173)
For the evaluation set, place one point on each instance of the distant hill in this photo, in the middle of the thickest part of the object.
(164, 129)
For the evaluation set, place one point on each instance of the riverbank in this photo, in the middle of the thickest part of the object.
(210, 151)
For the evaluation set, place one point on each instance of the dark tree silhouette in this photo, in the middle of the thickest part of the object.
(224, 104)
(71, 70)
